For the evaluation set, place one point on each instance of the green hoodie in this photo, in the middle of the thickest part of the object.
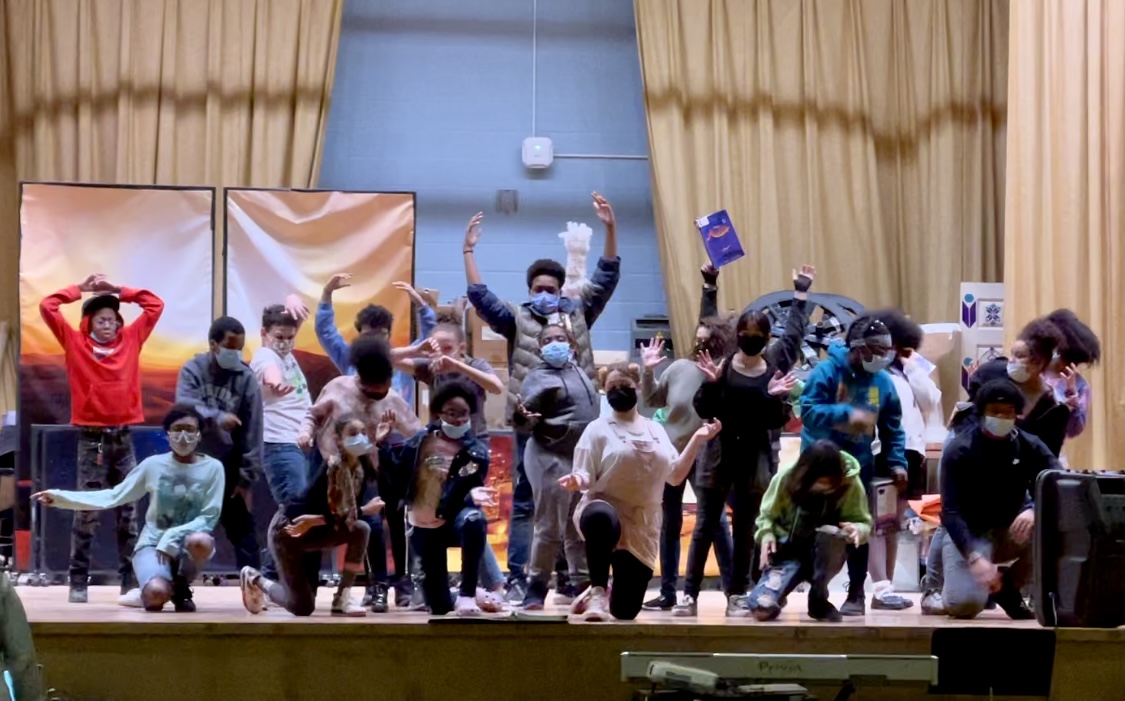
(779, 515)
(17, 651)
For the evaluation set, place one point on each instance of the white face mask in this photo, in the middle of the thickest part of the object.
(1018, 372)
(281, 347)
(183, 442)
(357, 445)
(454, 431)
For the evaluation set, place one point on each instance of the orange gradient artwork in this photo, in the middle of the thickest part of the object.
(281, 242)
(158, 239)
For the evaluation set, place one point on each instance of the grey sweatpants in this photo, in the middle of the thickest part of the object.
(962, 595)
(553, 520)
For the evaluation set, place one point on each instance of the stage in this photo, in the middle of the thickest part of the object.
(104, 651)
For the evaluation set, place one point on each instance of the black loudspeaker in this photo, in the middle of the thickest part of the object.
(1080, 549)
(54, 452)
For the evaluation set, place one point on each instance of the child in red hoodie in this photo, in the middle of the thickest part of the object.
(103, 368)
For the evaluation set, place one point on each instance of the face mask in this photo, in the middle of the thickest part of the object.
(878, 363)
(229, 358)
(545, 303)
(282, 348)
(751, 345)
(997, 427)
(454, 431)
(183, 442)
(357, 445)
(375, 396)
(1018, 371)
(556, 353)
(622, 399)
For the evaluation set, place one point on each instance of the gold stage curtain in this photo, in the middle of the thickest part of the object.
(863, 136)
(167, 92)
(1066, 156)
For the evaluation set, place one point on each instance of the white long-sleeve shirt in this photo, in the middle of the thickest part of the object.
(183, 499)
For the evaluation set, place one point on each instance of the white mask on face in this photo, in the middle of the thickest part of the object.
(281, 347)
(1018, 372)
(357, 445)
(229, 358)
(183, 442)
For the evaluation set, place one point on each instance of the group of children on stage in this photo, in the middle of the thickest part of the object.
(597, 495)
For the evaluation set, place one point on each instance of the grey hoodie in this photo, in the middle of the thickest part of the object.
(567, 401)
(214, 391)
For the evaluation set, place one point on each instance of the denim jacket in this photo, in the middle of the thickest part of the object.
(469, 469)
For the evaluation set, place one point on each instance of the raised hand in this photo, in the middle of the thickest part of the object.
(803, 279)
(406, 287)
(1070, 376)
(296, 307)
(441, 365)
(387, 423)
(337, 282)
(604, 211)
(473, 232)
(781, 385)
(710, 274)
(426, 348)
(652, 353)
(709, 430)
(103, 286)
(44, 498)
(711, 371)
(87, 285)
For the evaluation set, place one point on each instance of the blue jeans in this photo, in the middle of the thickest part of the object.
(816, 560)
(523, 509)
(287, 474)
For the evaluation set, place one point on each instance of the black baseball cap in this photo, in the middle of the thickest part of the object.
(99, 302)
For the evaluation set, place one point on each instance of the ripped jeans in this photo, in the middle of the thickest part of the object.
(815, 560)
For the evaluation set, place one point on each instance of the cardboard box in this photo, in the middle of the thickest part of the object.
(484, 343)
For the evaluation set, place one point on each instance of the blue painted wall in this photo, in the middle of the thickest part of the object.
(435, 96)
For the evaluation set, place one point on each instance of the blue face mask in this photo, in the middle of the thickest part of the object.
(556, 353)
(545, 303)
(454, 431)
(229, 358)
(878, 363)
(997, 427)
(357, 445)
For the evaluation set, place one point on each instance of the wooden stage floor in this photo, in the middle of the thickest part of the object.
(101, 650)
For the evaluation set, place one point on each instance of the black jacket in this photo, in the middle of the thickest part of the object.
(985, 483)
(399, 465)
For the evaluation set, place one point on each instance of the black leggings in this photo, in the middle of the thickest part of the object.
(601, 528)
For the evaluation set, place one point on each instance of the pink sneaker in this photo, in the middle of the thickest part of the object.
(253, 598)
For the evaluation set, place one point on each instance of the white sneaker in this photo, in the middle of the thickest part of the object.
(688, 607)
(466, 606)
(131, 599)
(253, 597)
(491, 601)
(342, 605)
(597, 606)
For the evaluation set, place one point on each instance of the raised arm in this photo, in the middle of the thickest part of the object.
(686, 459)
(654, 392)
(127, 491)
(151, 309)
(49, 308)
(427, 319)
(329, 336)
(709, 296)
(785, 353)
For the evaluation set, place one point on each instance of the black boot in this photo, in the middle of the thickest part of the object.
(182, 600)
(378, 593)
(1011, 602)
(854, 605)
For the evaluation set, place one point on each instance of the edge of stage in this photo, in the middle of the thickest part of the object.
(102, 650)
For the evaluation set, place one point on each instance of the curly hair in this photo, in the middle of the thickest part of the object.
(1042, 338)
(375, 318)
(905, 332)
(1080, 344)
(721, 335)
(451, 390)
(546, 266)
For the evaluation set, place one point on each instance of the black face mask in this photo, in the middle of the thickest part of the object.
(375, 396)
(622, 399)
(751, 345)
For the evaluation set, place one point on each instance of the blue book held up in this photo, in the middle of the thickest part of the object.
(719, 238)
